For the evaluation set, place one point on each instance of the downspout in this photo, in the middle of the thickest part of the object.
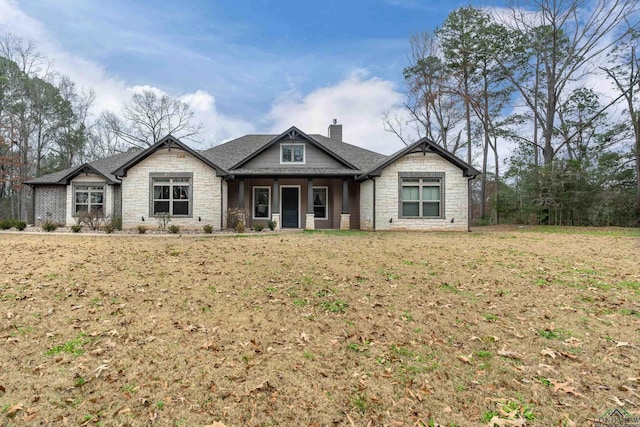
(374, 203)
(469, 201)
(221, 204)
(33, 204)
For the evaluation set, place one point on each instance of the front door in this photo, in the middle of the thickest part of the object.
(290, 207)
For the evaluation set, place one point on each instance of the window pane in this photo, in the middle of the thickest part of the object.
(410, 193)
(410, 180)
(82, 208)
(431, 209)
(430, 193)
(82, 197)
(181, 180)
(96, 209)
(286, 153)
(410, 209)
(319, 196)
(161, 192)
(180, 192)
(96, 197)
(298, 153)
(261, 200)
(319, 211)
(181, 208)
(160, 207)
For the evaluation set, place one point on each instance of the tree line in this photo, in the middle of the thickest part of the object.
(531, 76)
(46, 124)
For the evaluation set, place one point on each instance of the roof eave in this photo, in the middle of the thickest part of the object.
(168, 141)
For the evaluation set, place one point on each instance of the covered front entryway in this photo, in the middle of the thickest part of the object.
(290, 207)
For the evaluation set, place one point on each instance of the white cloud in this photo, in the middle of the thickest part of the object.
(358, 103)
(112, 92)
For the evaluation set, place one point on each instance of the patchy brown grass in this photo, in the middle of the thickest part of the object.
(314, 329)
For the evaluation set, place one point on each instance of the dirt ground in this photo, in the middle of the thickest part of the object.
(505, 327)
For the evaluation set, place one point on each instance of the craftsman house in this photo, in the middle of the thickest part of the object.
(295, 179)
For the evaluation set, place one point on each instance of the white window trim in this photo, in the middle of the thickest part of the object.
(290, 144)
(253, 204)
(326, 206)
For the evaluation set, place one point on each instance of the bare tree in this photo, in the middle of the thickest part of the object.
(148, 117)
(625, 74)
(432, 110)
(569, 39)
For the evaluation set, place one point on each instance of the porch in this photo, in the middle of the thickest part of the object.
(297, 202)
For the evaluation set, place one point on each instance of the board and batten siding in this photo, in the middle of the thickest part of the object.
(387, 195)
(314, 158)
(206, 190)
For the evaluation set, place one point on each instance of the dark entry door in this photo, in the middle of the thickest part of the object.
(290, 204)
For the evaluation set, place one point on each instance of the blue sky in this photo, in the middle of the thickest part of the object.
(245, 66)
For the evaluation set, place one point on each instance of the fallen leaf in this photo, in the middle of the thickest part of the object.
(216, 424)
(465, 359)
(11, 412)
(618, 401)
(566, 421)
(501, 422)
(548, 352)
(509, 354)
(622, 344)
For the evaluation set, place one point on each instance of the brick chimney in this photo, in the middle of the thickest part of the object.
(335, 131)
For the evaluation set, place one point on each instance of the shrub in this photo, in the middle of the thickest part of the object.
(6, 224)
(208, 229)
(116, 220)
(92, 219)
(272, 224)
(76, 228)
(142, 229)
(164, 218)
(240, 227)
(235, 216)
(49, 226)
(258, 227)
(19, 225)
(109, 227)
(174, 229)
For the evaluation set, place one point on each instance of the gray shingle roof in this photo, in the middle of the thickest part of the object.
(233, 152)
(104, 166)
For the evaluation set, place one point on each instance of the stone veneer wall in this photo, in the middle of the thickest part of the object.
(50, 204)
(87, 179)
(206, 190)
(366, 205)
(387, 194)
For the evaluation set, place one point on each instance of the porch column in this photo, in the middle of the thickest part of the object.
(275, 203)
(241, 194)
(310, 223)
(345, 217)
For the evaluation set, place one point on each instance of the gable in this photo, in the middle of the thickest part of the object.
(312, 156)
(269, 155)
(167, 144)
(423, 147)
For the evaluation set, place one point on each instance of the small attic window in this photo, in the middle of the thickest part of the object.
(292, 154)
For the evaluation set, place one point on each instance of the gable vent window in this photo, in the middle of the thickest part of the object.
(171, 195)
(292, 153)
(421, 197)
